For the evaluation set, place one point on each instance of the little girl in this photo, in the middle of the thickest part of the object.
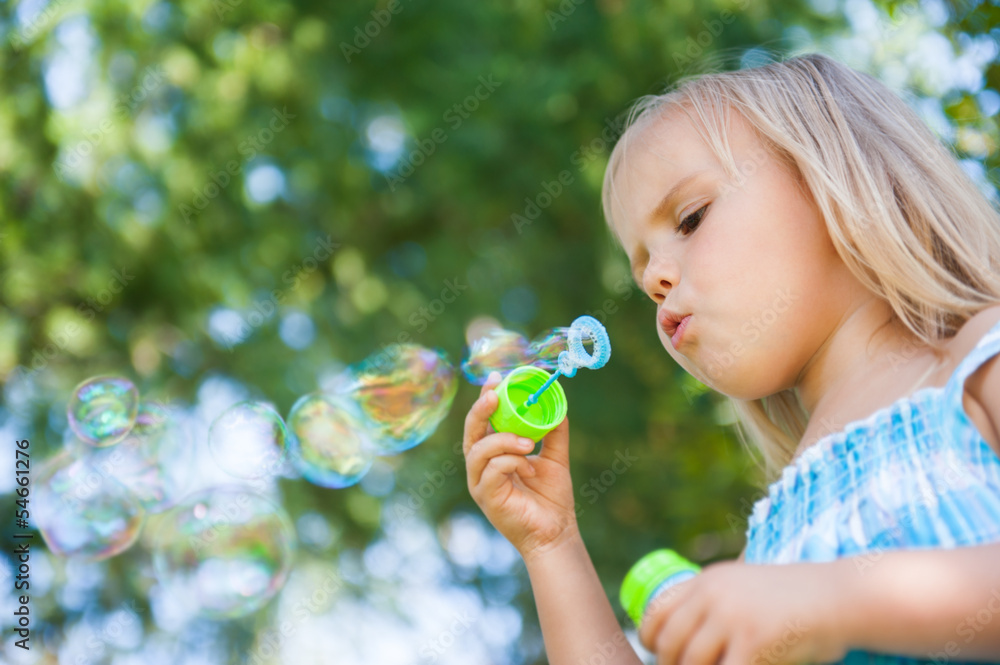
(819, 257)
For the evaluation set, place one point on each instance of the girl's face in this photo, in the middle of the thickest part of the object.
(752, 262)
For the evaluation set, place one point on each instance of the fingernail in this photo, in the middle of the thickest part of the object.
(494, 376)
(526, 442)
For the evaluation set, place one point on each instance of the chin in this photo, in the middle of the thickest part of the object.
(741, 395)
(746, 392)
(732, 382)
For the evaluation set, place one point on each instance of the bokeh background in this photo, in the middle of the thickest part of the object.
(134, 150)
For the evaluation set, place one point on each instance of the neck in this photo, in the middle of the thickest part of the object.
(863, 345)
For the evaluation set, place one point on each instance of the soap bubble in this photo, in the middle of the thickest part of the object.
(81, 510)
(501, 350)
(329, 444)
(403, 396)
(545, 348)
(102, 409)
(153, 460)
(248, 440)
(227, 549)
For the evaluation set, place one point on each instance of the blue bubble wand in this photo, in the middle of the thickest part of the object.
(576, 356)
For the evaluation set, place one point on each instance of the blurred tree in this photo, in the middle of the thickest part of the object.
(266, 191)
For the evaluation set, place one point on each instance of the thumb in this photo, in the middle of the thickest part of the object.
(492, 381)
(555, 445)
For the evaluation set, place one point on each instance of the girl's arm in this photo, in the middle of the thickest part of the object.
(577, 621)
(933, 603)
(529, 499)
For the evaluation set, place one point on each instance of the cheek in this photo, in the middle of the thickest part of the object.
(753, 250)
(743, 289)
(732, 229)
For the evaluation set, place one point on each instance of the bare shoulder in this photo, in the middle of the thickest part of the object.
(973, 330)
(981, 396)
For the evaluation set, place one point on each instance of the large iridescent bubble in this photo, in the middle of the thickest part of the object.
(229, 550)
(153, 460)
(82, 510)
(404, 393)
(328, 442)
(248, 440)
(102, 409)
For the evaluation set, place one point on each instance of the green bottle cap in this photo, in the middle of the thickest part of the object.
(647, 575)
(536, 420)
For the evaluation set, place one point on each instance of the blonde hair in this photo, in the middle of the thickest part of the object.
(905, 218)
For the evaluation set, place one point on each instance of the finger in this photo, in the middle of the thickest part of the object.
(555, 445)
(499, 468)
(492, 380)
(677, 633)
(478, 417)
(489, 448)
(658, 612)
(706, 647)
(735, 653)
(650, 628)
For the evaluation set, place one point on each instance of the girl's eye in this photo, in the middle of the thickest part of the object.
(690, 223)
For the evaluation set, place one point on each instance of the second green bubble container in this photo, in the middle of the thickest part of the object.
(652, 575)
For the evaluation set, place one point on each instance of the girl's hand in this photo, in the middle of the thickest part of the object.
(528, 498)
(734, 614)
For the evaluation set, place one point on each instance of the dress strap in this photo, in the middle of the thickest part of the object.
(987, 347)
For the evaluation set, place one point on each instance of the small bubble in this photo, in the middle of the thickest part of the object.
(228, 549)
(81, 510)
(329, 443)
(248, 440)
(102, 409)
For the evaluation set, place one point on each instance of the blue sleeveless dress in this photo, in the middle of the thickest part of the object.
(914, 474)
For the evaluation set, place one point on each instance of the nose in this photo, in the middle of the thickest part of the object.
(659, 277)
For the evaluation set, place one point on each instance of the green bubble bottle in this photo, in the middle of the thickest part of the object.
(651, 576)
(535, 420)
(532, 403)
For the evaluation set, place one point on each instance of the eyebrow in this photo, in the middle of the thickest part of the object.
(663, 207)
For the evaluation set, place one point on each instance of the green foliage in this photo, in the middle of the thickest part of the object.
(145, 175)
